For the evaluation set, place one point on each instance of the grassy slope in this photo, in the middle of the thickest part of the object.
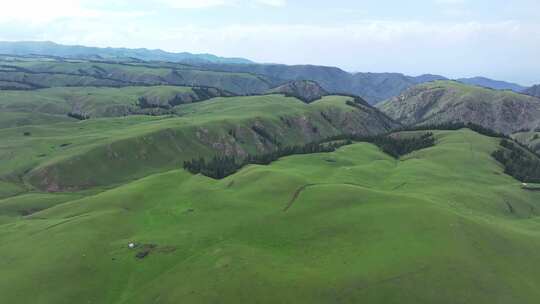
(434, 227)
(85, 73)
(95, 102)
(447, 101)
(58, 156)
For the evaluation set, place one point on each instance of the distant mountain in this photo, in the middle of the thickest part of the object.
(533, 91)
(305, 90)
(47, 48)
(374, 87)
(450, 101)
(492, 84)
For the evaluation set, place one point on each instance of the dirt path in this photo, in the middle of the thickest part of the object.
(295, 196)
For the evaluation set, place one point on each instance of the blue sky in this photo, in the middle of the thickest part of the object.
(456, 38)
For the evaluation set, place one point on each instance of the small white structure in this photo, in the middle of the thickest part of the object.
(131, 245)
(524, 185)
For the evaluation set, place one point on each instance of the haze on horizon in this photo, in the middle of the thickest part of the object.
(454, 38)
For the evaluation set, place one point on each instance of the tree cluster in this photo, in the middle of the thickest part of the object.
(518, 162)
(219, 167)
(79, 116)
(451, 126)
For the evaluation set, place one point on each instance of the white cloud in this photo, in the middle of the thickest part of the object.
(199, 4)
(40, 12)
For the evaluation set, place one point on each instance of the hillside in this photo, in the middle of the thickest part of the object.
(92, 102)
(46, 48)
(305, 90)
(533, 91)
(492, 84)
(530, 139)
(35, 73)
(448, 101)
(442, 225)
(74, 155)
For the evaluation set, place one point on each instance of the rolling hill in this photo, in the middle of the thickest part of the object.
(96, 102)
(35, 73)
(448, 101)
(58, 156)
(106, 195)
(441, 225)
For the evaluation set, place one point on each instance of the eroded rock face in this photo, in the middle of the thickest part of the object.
(443, 102)
(305, 90)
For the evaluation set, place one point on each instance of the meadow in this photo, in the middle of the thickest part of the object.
(440, 225)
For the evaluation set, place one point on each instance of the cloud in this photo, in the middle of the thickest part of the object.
(40, 12)
(200, 4)
(451, 48)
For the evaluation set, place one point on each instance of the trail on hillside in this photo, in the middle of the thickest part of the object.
(295, 196)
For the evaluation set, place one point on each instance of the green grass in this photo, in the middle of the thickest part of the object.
(53, 73)
(95, 102)
(433, 227)
(58, 156)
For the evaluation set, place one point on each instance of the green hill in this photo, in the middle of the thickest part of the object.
(102, 152)
(448, 101)
(35, 73)
(92, 102)
(441, 225)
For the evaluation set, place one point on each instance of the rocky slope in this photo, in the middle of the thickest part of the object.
(533, 91)
(305, 90)
(448, 101)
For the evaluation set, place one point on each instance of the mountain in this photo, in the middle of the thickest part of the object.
(46, 48)
(31, 72)
(305, 90)
(36, 73)
(449, 101)
(533, 91)
(373, 87)
(492, 84)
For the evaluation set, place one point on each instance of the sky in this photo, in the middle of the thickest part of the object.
(456, 38)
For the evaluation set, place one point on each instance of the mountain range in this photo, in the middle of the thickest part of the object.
(47, 48)
(493, 84)
(373, 87)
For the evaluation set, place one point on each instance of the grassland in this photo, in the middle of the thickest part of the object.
(20, 73)
(441, 225)
(102, 152)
